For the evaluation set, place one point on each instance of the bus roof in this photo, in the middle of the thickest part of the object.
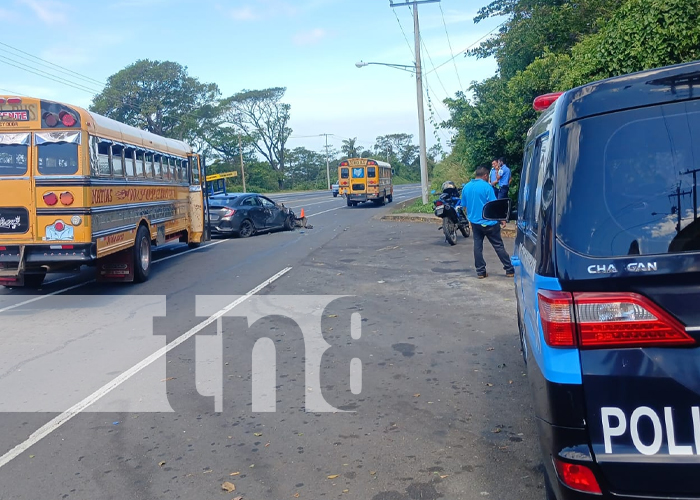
(108, 128)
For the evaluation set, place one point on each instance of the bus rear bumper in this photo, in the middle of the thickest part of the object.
(47, 255)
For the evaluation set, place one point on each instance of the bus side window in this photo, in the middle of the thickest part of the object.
(117, 158)
(186, 172)
(129, 166)
(195, 171)
(371, 172)
(148, 157)
(157, 167)
(167, 172)
(344, 173)
(140, 165)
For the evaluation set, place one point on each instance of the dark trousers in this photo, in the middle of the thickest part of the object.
(502, 192)
(493, 233)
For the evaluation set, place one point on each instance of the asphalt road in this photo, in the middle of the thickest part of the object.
(94, 407)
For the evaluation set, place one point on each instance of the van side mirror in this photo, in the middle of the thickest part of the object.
(497, 210)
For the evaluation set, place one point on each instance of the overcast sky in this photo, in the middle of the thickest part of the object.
(308, 46)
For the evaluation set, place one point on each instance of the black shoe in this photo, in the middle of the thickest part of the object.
(482, 276)
(510, 275)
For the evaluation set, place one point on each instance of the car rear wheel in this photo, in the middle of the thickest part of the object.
(246, 229)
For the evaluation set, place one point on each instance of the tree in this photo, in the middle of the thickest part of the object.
(158, 96)
(349, 147)
(261, 115)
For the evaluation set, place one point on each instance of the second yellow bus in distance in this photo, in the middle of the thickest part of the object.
(364, 179)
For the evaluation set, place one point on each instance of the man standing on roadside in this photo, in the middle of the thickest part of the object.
(474, 196)
(504, 178)
(493, 176)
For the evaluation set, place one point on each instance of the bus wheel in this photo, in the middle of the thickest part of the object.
(142, 255)
(347, 200)
(193, 245)
(34, 280)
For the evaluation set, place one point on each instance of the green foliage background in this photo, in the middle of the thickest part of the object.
(554, 45)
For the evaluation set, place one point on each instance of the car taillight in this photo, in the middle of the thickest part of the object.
(577, 477)
(625, 320)
(556, 314)
(228, 212)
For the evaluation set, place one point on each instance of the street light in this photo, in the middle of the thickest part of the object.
(415, 68)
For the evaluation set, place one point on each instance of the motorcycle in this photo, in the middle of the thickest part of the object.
(453, 215)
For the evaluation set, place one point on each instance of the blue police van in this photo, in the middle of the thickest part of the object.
(607, 258)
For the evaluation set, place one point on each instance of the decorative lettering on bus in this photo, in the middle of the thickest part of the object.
(146, 194)
(100, 196)
(114, 238)
(15, 116)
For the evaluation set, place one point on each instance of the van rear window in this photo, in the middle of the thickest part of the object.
(627, 182)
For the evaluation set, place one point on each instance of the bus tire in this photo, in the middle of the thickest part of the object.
(193, 245)
(142, 255)
(347, 200)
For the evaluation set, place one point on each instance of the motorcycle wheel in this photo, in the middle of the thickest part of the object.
(450, 230)
(465, 230)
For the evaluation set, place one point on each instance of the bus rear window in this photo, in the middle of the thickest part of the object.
(58, 158)
(358, 173)
(13, 159)
(344, 173)
(627, 182)
(371, 171)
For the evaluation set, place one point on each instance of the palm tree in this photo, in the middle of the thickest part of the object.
(349, 147)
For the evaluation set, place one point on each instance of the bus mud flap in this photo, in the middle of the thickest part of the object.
(118, 267)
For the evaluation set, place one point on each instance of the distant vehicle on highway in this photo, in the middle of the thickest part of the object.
(363, 179)
(246, 214)
(335, 189)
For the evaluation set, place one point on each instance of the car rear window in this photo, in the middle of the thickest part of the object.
(627, 182)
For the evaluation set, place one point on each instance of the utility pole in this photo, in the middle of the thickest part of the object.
(677, 205)
(240, 152)
(419, 95)
(695, 190)
(328, 168)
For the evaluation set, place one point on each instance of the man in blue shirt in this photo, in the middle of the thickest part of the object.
(504, 178)
(474, 196)
(493, 176)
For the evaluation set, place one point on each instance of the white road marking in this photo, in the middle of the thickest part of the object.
(40, 297)
(64, 417)
(325, 211)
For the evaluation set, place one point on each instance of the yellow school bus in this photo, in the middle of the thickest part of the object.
(78, 188)
(364, 179)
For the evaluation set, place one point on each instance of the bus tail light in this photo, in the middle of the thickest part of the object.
(557, 316)
(14, 100)
(344, 164)
(577, 477)
(608, 320)
(50, 199)
(67, 119)
(67, 198)
(50, 119)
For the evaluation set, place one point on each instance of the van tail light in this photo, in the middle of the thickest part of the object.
(608, 320)
(577, 477)
(557, 316)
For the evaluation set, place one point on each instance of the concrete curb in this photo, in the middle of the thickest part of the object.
(509, 231)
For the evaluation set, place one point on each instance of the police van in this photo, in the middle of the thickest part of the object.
(607, 259)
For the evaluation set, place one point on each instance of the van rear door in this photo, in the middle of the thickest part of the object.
(628, 238)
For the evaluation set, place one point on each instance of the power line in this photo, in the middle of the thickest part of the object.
(46, 75)
(450, 45)
(49, 63)
(13, 92)
(466, 48)
(404, 33)
(447, 94)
